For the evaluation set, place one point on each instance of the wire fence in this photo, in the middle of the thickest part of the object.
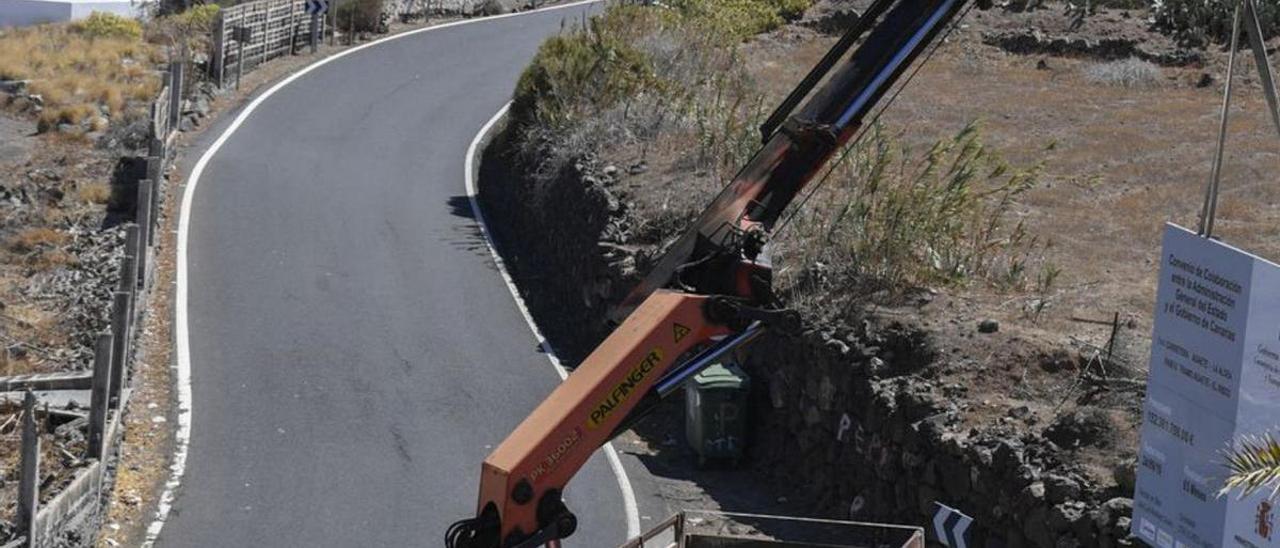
(250, 34)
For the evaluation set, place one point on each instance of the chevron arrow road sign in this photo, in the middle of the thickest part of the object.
(316, 7)
(951, 527)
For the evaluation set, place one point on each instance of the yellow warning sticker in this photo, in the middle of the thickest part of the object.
(680, 331)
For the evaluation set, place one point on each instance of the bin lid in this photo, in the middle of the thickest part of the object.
(721, 375)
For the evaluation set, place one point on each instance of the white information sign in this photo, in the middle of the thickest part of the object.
(1215, 375)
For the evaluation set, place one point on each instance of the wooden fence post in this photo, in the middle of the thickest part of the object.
(142, 216)
(29, 481)
(120, 328)
(98, 396)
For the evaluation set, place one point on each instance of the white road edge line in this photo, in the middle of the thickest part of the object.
(182, 343)
(610, 454)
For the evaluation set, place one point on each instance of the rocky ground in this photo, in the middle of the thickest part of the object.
(1018, 404)
(59, 262)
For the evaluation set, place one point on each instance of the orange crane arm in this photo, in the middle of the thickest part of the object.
(708, 295)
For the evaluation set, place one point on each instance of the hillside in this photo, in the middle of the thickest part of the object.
(977, 277)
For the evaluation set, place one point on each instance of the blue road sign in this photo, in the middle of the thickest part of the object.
(315, 7)
(951, 527)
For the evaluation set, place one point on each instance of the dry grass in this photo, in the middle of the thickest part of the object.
(894, 219)
(33, 239)
(94, 193)
(79, 76)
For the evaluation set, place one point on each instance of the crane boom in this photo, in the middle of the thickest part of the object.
(710, 293)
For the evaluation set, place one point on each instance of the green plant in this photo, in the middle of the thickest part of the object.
(109, 25)
(588, 70)
(1253, 464)
(198, 19)
(359, 15)
(791, 10)
(1049, 274)
(1204, 21)
(739, 19)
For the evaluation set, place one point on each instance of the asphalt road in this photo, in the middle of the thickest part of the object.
(354, 352)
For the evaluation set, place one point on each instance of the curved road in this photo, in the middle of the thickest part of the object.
(354, 352)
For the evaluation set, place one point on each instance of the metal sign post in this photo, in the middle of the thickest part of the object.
(240, 35)
(1246, 17)
(317, 9)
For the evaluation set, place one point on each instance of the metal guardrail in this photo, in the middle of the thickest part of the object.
(710, 529)
(663, 535)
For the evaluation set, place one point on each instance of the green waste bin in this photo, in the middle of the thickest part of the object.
(716, 412)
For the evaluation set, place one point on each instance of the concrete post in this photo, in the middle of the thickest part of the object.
(120, 331)
(177, 76)
(155, 172)
(156, 146)
(219, 60)
(293, 28)
(239, 62)
(262, 36)
(98, 396)
(143, 217)
(129, 265)
(29, 481)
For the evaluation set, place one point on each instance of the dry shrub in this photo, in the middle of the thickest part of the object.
(50, 259)
(94, 193)
(635, 75)
(72, 114)
(33, 239)
(108, 25)
(79, 67)
(1127, 73)
(191, 29)
(585, 71)
(890, 218)
(359, 15)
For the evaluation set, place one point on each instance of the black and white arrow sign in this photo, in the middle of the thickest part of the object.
(952, 527)
(316, 7)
